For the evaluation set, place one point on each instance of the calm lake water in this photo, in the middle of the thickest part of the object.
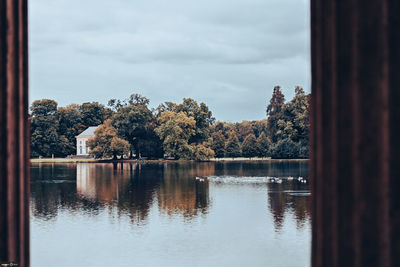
(161, 215)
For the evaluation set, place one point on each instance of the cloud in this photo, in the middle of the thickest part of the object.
(228, 53)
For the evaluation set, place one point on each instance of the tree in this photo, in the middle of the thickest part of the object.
(297, 113)
(133, 124)
(276, 103)
(263, 145)
(260, 127)
(175, 130)
(201, 114)
(303, 148)
(201, 152)
(285, 149)
(45, 140)
(166, 106)
(70, 125)
(93, 114)
(218, 144)
(132, 100)
(232, 148)
(151, 145)
(275, 112)
(119, 147)
(249, 146)
(106, 143)
(243, 129)
(136, 123)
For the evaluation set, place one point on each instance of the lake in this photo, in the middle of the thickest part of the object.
(128, 214)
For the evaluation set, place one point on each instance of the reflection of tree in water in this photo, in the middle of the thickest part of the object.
(262, 168)
(52, 188)
(137, 196)
(202, 196)
(180, 193)
(286, 198)
(277, 205)
(126, 188)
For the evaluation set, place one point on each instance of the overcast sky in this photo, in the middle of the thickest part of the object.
(227, 53)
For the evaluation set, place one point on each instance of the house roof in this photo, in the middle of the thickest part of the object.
(89, 131)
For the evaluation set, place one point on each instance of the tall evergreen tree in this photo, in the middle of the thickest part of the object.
(275, 112)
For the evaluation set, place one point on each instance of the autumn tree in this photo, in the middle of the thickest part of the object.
(249, 146)
(263, 145)
(218, 144)
(106, 143)
(259, 127)
(243, 129)
(232, 147)
(202, 116)
(201, 152)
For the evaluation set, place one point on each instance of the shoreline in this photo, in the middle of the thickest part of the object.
(84, 160)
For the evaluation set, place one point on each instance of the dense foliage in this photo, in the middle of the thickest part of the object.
(187, 130)
(106, 143)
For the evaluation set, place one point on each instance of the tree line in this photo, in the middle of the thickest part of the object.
(186, 130)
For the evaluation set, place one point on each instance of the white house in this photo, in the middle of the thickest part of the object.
(82, 149)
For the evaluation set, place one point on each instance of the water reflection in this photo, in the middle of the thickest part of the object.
(130, 188)
(233, 214)
(187, 196)
(290, 197)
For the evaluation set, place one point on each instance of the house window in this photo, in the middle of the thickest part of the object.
(80, 149)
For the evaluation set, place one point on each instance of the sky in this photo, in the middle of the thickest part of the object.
(227, 53)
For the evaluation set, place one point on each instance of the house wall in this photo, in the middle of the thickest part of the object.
(81, 146)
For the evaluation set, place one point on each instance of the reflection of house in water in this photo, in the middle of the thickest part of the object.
(122, 187)
(83, 186)
(128, 189)
(99, 182)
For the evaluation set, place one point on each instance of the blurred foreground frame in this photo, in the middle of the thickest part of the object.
(14, 133)
(355, 162)
(355, 121)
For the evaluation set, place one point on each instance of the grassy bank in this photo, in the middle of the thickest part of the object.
(81, 160)
(61, 160)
